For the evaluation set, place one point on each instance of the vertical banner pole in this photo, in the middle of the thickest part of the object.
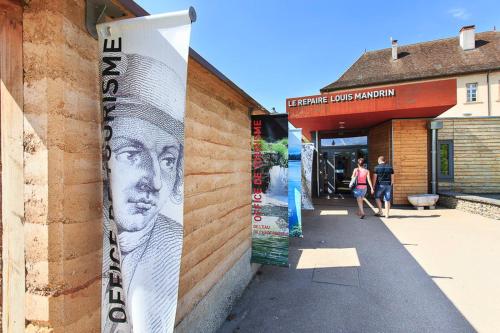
(434, 160)
(434, 127)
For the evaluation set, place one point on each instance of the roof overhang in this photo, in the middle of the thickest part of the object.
(137, 10)
(364, 108)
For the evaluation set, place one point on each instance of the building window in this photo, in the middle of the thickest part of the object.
(445, 162)
(471, 92)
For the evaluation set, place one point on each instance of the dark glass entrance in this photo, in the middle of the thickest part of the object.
(338, 159)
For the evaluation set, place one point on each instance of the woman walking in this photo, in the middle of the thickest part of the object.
(362, 175)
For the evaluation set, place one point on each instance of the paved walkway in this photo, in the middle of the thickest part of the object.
(419, 271)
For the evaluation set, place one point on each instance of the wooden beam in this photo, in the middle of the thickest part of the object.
(11, 133)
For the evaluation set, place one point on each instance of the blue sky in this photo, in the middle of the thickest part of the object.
(276, 49)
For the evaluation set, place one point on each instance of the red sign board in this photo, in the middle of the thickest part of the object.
(364, 108)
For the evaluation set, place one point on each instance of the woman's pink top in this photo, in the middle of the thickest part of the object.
(362, 177)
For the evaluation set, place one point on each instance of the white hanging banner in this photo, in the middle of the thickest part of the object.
(143, 81)
(307, 164)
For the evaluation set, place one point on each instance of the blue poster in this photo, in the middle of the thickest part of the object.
(294, 182)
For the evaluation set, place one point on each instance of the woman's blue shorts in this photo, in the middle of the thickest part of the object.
(359, 192)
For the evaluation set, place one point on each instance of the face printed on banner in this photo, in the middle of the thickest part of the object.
(144, 165)
(143, 175)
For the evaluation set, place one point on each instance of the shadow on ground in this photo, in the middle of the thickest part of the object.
(345, 275)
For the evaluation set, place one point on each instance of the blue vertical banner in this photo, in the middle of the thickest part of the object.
(294, 182)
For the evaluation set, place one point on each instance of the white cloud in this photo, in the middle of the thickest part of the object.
(459, 13)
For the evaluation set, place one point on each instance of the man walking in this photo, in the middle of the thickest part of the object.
(383, 180)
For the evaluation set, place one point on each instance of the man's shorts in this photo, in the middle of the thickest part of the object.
(384, 191)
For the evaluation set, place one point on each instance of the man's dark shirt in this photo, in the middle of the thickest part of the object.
(384, 172)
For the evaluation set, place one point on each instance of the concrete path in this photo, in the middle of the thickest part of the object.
(419, 271)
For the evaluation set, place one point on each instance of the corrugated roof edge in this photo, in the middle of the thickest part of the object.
(137, 10)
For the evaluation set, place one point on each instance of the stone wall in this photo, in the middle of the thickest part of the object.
(62, 193)
(476, 205)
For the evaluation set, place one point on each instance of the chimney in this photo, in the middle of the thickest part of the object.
(394, 43)
(468, 37)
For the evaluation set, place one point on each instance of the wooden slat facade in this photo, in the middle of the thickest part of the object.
(405, 144)
(380, 143)
(410, 158)
(476, 145)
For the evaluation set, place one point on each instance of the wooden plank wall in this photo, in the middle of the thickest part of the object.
(217, 184)
(11, 109)
(410, 158)
(476, 154)
(379, 143)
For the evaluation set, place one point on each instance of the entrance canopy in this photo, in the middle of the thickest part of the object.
(364, 108)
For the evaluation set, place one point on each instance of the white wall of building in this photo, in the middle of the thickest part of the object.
(495, 93)
(480, 107)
